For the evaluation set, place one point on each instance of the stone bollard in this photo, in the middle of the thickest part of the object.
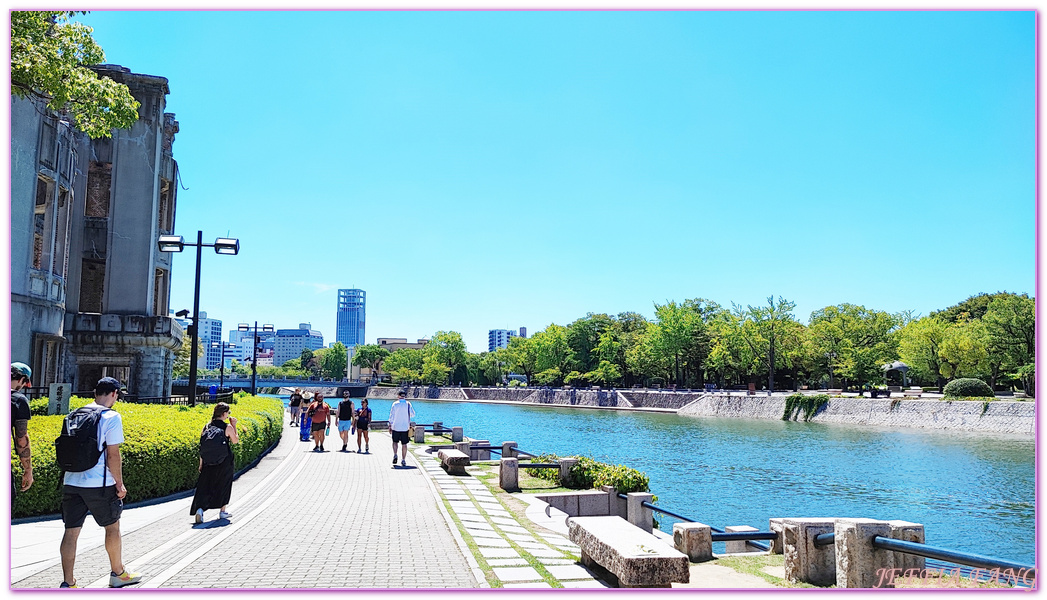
(457, 434)
(803, 560)
(739, 546)
(462, 447)
(908, 532)
(612, 500)
(695, 540)
(858, 563)
(419, 434)
(437, 425)
(508, 449)
(638, 514)
(565, 470)
(776, 544)
(509, 474)
(480, 454)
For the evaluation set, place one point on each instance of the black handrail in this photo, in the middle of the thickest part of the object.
(539, 465)
(824, 539)
(739, 536)
(962, 558)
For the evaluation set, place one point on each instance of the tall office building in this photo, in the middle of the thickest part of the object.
(291, 342)
(349, 325)
(523, 332)
(499, 338)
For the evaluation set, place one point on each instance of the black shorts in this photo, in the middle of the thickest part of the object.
(102, 502)
(400, 437)
(319, 426)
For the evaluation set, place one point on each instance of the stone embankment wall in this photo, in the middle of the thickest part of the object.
(648, 399)
(996, 417)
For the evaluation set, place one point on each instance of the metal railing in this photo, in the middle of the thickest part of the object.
(719, 535)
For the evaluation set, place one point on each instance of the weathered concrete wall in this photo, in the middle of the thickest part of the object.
(998, 417)
(660, 399)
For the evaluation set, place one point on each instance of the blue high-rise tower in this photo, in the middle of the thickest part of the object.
(349, 326)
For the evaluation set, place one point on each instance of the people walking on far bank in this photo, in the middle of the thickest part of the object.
(400, 415)
(320, 414)
(296, 406)
(100, 489)
(215, 484)
(345, 420)
(363, 426)
(21, 374)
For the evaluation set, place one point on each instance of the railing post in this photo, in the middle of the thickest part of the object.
(457, 434)
(695, 540)
(908, 532)
(612, 499)
(565, 470)
(859, 564)
(739, 546)
(437, 426)
(638, 514)
(419, 434)
(462, 447)
(508, 449)
(480, 454)
(776, 525)
(803, 560)
(509, 474)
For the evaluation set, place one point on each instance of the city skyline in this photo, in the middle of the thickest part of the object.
(626, 158)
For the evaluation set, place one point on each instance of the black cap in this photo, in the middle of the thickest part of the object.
(107, 385)
(402, 393)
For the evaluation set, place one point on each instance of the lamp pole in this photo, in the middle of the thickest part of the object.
(221, 365)
(267, 328)
(175, 243)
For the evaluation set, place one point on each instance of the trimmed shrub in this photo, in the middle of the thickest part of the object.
(160, 452)
(589, 473)
(968, 387)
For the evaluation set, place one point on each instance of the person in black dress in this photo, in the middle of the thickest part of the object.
(215, 485)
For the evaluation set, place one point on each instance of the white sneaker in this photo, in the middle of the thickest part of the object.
(224, 515)
(199, 518)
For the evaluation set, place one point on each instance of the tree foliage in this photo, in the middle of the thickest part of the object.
(50, 56)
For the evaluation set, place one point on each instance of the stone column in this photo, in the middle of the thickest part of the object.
(509, 474)
(436, 426)
(419, 434)
(735, 547)
(803, 560)
(612, 499)
(565, 470)
(508, 449)
(640, 515)
(858, 563)
(462, 447)
(480, 454)
(695, 540)
(907, 532)
(457, 434)
(778, 527)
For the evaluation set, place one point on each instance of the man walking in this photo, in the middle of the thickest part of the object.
(21, 374)
(99, 490)
(400, 416)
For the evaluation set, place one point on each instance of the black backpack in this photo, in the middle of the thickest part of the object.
(213, 445)
(76, 450)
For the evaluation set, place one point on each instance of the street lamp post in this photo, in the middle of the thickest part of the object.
(221, 365)
(267, 328)
(175, 243)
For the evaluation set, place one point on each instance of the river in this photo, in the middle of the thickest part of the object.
(972, 492)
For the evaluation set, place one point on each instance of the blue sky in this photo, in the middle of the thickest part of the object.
(479, 170)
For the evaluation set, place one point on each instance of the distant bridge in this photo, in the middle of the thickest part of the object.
(244, 383)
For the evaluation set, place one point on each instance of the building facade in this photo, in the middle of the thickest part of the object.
(349, 322)
(499, 338)
(290, 342)
(89, 288)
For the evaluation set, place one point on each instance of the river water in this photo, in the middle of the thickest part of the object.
(972, 492)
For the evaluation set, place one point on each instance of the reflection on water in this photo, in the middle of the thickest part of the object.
(972, 492)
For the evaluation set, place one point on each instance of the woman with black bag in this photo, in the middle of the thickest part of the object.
(215, 484)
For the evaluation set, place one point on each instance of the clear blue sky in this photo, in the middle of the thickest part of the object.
(479, 170)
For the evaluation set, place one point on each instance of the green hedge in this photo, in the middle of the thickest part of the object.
(160, 450)
(968, 387)
(589, 473)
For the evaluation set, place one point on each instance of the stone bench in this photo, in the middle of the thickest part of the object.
(453, 461)
(633, 557)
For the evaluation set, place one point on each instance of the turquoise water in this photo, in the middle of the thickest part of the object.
(972, 492)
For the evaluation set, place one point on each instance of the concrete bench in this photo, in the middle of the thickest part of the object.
(633, 557)
(453, 461)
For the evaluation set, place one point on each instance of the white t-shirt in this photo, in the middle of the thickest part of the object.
(111, 431)
(400, 415)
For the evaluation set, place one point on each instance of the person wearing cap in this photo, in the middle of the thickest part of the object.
(99, 490)
(21, 375)
(400, 415)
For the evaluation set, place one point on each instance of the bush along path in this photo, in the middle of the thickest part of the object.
(160, 449)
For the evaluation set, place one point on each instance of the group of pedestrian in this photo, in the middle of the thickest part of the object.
(349, 419)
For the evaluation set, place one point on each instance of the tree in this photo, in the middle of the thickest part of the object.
(370, 356)
(445, 348)
(554, 354)
(1010, 322)
(522, 356)
(771, 325)
(181, 361)
(963, 350)
(405, 365)
(334, 361)
(854, 342)
(582, 337)
(50, 57)
(919, 345)
(972, 308)
(672, 333)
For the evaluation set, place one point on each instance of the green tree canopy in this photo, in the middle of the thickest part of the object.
(370, 356)
(335, 361)
(50, 56)
(405, 365)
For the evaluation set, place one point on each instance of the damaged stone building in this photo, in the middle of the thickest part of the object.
(89, 289)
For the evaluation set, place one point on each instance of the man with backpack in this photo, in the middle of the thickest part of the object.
(88, 451)
(20, 377)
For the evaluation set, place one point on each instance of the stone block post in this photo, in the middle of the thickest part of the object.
(638, 514)
(695, 540)
(436, 426)
(480, 454)
(419, 434)
(612, 499)
(565, 470)
(508, 449)
(777, 547)
(803, 560)
(858, 563)
(457, 434)
(462, 447)
(908, 532)
(740, 546)
(509, 474)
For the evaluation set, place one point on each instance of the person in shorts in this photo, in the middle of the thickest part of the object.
(320, 415)
(296, 406)
(21, 374)
(344, 419)
(400, 415)
(363, 427)
(99, 490)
